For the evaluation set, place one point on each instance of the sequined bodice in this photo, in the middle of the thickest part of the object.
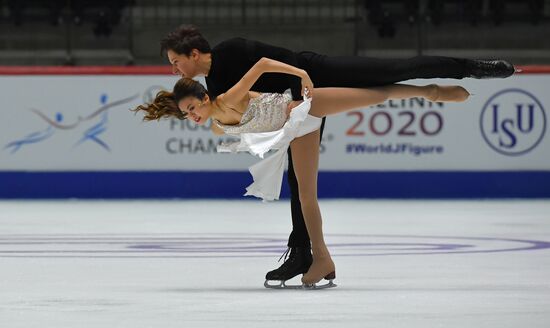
(265, 113)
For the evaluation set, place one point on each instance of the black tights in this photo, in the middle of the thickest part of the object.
(356, 72)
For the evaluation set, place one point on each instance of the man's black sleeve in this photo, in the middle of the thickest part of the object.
(256, 50)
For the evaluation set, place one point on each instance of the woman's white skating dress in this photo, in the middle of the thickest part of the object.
(264, 126)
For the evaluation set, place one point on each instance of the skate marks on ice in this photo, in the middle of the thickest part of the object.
(245, 245)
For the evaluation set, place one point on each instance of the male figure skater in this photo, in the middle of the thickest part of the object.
(224, 65)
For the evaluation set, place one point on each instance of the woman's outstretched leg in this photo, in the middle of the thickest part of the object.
(329, 101)
(305, 156)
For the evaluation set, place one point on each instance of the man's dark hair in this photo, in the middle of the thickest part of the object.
(184, 39)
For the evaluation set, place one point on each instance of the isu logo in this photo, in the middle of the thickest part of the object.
(513, 122)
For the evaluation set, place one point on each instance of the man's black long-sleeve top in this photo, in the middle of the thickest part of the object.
(231, 59)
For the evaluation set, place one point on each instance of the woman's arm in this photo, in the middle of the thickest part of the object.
(264, 65)
(216, 129)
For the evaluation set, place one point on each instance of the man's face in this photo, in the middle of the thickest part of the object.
(185, 66)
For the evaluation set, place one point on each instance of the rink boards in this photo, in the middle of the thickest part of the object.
(69, 133)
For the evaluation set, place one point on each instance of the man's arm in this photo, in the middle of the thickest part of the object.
(255, 50)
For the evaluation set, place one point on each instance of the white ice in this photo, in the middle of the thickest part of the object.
(202, 264)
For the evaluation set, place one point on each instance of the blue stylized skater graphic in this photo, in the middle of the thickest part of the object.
(91, 134)
(34, 137)
(94, 131)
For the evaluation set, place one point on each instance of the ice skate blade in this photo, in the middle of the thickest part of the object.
(329, 284)
(281, 285)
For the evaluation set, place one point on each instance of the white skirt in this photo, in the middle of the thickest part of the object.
(268, 173)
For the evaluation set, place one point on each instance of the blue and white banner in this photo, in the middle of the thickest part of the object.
(60, 123)
(82, 123)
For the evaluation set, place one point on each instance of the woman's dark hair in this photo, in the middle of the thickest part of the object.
(165, 104)
(184, 39)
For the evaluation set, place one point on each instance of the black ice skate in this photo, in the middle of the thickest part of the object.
(488, 69)
(298, 262)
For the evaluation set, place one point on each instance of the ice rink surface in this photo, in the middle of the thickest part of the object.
(202, 264)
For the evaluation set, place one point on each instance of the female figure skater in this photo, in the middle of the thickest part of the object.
(277, 121)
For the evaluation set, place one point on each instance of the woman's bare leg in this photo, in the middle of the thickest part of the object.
(329, 101)
(305, 156)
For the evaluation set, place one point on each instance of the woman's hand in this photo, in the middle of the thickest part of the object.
(291, 106)
(307, 85)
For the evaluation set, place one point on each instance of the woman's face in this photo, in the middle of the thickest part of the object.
(197, 110)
